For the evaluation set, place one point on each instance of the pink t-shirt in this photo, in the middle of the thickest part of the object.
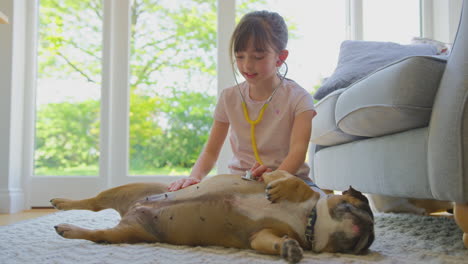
(272, 134)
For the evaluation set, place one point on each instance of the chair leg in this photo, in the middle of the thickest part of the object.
(461, 217)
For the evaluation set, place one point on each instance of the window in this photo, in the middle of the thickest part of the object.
(173, 84)
(68, 88)
(396, 20)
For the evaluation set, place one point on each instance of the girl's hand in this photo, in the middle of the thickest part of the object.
(183, 183)
(258, 170)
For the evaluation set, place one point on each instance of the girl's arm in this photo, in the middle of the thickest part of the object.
(299, 143)
(207, 158)
(210, 153)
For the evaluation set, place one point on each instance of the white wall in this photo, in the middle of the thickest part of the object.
(12, 60)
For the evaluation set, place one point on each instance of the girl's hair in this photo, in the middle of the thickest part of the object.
(264, 28)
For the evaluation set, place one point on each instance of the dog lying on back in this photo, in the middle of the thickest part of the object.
(280, 216)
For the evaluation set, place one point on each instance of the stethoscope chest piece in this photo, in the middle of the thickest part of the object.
(248, 176)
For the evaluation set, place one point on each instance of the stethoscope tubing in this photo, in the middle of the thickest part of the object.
(253, 123)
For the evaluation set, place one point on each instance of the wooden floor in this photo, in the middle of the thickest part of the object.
(7, 219)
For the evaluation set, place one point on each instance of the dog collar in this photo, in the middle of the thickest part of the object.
(309, 232)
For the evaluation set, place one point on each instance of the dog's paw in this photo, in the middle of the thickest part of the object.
(279, 190)
(291, 251)
(273, 192)
(61, 204)
(280, 185)
(69, 231)
(292, 189)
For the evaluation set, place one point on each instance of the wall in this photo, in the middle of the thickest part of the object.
(12, 59)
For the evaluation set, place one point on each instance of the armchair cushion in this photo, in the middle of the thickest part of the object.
(325, 132)
(395, 98)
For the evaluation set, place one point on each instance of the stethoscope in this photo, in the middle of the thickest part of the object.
(253, 123)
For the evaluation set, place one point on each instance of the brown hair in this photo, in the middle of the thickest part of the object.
(264, 28)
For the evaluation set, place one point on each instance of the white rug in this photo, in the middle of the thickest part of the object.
(399, 239)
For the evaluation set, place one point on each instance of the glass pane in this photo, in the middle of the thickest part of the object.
(68, 88)
(391, 20)
(173, 84)
(315, 35)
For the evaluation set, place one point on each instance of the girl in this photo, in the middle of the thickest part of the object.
(269, 117)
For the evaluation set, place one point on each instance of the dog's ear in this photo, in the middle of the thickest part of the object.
(356, 194)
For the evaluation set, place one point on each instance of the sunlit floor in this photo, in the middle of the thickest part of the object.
(7, 219)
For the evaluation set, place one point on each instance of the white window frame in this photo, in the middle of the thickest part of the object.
(354, 19)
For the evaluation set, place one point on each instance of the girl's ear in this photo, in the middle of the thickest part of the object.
(283, 55)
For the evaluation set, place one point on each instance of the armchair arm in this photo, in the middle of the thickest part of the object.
(448, 128)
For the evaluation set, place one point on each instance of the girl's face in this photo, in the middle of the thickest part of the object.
(258, 67)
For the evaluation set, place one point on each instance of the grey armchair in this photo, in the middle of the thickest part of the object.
(427, 160)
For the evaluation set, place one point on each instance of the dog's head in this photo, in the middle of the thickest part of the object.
(345, 223)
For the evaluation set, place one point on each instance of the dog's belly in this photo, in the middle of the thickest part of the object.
(223, 210)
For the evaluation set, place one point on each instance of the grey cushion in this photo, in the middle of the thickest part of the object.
(395, 98)
(358, 59)
(325, 132)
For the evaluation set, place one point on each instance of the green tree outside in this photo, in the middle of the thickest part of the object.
(168, 126)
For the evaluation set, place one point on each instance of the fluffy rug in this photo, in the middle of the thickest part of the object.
(400, 238)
